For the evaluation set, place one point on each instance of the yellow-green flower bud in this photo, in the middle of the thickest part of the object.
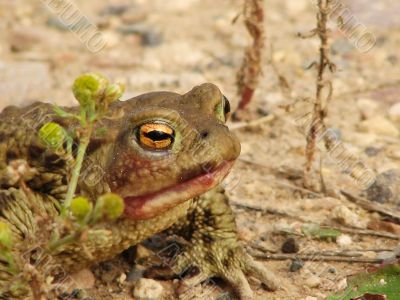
(80, 207)
(53, 135)
(114, 92)
(5, 235)
(109, 206)
(87, 88)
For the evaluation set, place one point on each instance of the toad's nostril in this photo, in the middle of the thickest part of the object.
(204, 134)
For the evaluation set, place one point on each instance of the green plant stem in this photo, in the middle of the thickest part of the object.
(84, 143)
(54, 245)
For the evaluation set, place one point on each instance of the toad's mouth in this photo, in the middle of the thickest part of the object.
(148, 206)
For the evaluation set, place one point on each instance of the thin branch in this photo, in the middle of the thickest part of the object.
(375, 207)
(319, 111)
(277, 212)
(367, 232)
(264, 210)
(284, 184)
(284, 84)
(344, 252)
(316, 257)
(263, 120)
(260, 248)
(249, 74)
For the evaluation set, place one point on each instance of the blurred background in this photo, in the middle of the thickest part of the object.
(177, 44)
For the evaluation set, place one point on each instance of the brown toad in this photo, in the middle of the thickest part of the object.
(165, 154)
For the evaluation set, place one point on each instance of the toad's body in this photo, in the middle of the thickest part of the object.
(164, 153)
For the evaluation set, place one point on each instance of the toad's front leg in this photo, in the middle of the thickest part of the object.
(213, 247)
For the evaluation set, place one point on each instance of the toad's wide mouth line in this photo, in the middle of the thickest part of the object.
(148, 206)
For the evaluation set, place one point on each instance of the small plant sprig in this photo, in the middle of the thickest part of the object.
(108, 207)
(94, 94)
(77, 214)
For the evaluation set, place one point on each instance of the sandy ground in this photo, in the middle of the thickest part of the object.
(177, 44)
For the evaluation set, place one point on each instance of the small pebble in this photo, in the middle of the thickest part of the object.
(296, 265)
(394, 112)
(122, 278)
(367, 107)
(345, 216)
(393, 59)
(115, 10)
(372, 151)
(344, 240)
(147, 289)
(385, 188)
(342, 284)
(132, 17)
(135, 274)
(150, 37)
(379, 126)
(84, 279)
(290, 246)
(49, 280)
(262, 111)
(313, 281)
(112, 39)
(332, 270)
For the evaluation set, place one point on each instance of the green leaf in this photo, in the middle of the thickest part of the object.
(385, 281)
(315, 230)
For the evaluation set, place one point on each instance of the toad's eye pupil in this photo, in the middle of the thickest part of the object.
(156, 135)
(227, 106)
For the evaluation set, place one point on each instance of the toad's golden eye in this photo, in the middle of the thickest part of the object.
(156, 136)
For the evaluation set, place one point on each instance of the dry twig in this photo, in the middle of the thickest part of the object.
(284, 84)
(316, 257)
(319, 110)
(382, 209)
(369, 232)
(266, 210)
(249, 74)
(263, 120)
(341, 253)
(281, 183)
